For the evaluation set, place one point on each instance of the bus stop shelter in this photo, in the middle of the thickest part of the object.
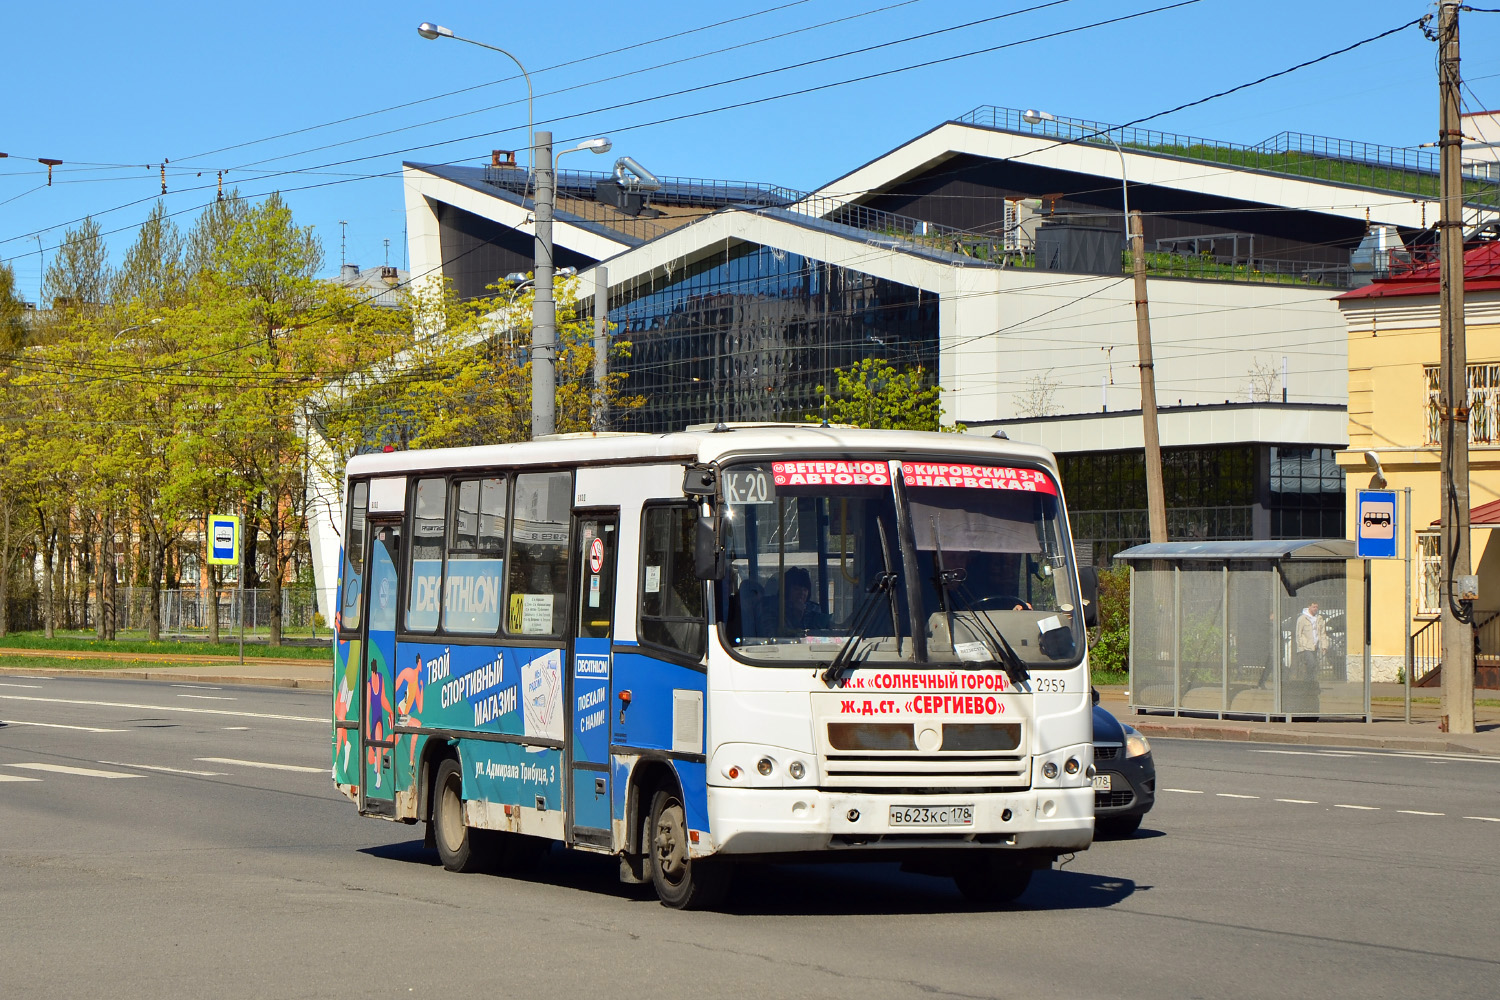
(1257, 629)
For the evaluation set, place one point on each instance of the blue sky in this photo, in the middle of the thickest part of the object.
(112, 89)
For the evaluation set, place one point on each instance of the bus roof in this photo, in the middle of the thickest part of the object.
(760, 440)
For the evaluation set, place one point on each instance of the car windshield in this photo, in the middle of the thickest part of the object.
(985, 551)
(804, 541)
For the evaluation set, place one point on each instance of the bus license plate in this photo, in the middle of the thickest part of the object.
(932, 815)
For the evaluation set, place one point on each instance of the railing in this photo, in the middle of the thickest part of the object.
(1339, 161)
(185, 612)
(1427, 654)
(1427, 648)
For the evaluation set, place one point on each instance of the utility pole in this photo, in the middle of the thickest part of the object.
(1453, 397)
(543, 308)
(1156, 501)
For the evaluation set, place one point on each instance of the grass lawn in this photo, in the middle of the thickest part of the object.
(1110, 677)
(1478, 702)
(84, 642)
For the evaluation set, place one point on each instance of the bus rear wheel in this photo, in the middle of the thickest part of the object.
(455, 844)
(680, 881)
(991, 881)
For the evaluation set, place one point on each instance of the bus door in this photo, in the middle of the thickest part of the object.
(377, 668)
(588, 700)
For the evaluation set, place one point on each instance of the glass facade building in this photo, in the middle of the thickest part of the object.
(752, 332)
(1213, 493)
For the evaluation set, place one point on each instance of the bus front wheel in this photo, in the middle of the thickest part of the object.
(455, 845)
(680, 881)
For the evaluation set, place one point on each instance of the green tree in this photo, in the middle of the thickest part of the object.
(874, 393)
(13, 331)
(1109, 657)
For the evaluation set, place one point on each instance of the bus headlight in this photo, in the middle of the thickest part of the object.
(796, 770)
(1049, 770)
(1136, 744)
(765, 767)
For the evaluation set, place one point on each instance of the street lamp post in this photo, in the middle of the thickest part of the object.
(543, 307)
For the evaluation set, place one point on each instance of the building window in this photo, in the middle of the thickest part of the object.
(1483, 401)
(1429, 574)
(672, 605)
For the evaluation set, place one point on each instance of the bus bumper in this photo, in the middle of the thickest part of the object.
(777, 820)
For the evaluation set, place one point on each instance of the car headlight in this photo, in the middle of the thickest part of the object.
(1136, 745)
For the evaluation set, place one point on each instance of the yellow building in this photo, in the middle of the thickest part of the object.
(1393, 365)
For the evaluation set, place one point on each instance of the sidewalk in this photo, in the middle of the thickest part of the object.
(1389, 731)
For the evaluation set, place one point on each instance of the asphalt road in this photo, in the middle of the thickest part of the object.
(185, 841)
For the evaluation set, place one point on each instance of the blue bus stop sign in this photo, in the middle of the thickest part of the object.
(1375, 523)
(224, 540)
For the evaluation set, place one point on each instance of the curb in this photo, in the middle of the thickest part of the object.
(1302, 738)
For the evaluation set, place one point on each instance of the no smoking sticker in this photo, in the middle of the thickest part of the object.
(596, 555)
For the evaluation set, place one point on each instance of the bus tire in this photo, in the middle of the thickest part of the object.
(455, 845)
(991, 881)
(681, 882)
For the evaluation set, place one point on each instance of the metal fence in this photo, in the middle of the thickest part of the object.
(1368, 165)
(186, 612)
(1220, 637)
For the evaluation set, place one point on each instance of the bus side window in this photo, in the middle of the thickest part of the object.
(672, 605)
(537, 601)
(428, 525)
(476, 557)
(351, 604)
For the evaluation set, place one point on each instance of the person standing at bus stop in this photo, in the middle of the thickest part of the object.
(1312, 637)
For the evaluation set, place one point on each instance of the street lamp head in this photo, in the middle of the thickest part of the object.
(599, 145)
(566, 272)
(429, 31)
(515, 278)
(1032, 116)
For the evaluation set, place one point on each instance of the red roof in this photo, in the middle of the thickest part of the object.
(1486, 515)
(1481, 273)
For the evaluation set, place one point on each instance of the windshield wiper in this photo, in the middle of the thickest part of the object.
(864, 617)
(950, 585)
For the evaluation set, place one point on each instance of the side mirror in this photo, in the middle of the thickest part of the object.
(1088, 583)
(1096, 694)
(699, 481)
(709, 562)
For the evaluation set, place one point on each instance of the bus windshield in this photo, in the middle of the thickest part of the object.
(982, 551)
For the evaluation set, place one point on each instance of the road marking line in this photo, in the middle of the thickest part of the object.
(169, 770)
(322, 721)
(17, 777)
(259, 763)
(29, 677)
(29, 687)
(1433, 755)
(1363, 808)
(1231, 795)
(1300, 802)
(198, 687)
(1184, 791)
(1485, 819)
(236, 728)
(1418, 812)
(59, 725)
(86, 772)
(207, 697)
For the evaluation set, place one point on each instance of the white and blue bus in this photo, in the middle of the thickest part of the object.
(692, 649)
